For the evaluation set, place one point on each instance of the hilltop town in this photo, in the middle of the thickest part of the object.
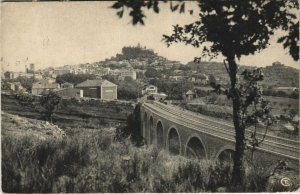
(150, 96)
(138, 73)
(140, 67)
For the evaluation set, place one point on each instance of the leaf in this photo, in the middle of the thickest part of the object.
(182, 8)
(155, 7)
(281, 39)
(174, 8)
(117, 5)
(120, 13)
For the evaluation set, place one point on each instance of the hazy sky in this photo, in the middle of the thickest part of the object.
(61, 33)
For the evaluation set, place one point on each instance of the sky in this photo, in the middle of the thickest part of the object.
(69, 33)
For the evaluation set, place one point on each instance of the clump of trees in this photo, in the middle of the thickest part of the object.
(274, 92)
(174, 90)
(49, 101)
(152, 73)
(74, 78)
(233, 29)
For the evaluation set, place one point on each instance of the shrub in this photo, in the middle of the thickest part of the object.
(90, 160)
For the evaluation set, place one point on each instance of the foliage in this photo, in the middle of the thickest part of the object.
(133, 128)
(106, 164)
(273, 92)
(225, 24)
(74, 78)
(152, 73)
(128, 89)
(115, 65)
(25, 99)
(174, 90)
(50, 102)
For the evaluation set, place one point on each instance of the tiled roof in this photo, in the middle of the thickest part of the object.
(190, 92)
(93, 83)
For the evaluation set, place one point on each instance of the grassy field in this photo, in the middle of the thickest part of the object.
(41, 157)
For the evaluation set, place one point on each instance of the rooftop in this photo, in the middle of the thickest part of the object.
(94, 83)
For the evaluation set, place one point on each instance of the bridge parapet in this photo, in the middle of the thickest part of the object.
(221, 130)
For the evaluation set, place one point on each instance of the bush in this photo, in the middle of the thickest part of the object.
(92, 160)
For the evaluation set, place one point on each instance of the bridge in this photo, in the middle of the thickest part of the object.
(193, 135)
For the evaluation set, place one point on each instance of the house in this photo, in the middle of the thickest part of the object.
(151, 89)
(176, 77)
(61, 71)
(159, 96)
(106, 71)
(44, 85)
(127, 73)
(70, 92)
(67, 85)
(98, 88)
(14, 86)
(189, 95)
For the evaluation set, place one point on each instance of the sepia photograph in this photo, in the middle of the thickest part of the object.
(149, 96)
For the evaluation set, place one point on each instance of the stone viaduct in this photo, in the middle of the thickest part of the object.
(193, 135)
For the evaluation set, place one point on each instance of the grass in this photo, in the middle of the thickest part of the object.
(94, 160)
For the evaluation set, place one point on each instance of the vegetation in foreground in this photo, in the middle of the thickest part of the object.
(96, 160)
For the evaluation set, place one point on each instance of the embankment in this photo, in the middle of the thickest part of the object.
(70, 110)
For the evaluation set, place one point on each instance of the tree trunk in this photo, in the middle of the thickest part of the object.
(50, 117)
(238, 173)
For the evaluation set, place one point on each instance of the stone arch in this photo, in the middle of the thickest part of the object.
(160, 135)
(225, 154)
(173, 141)
(195, 148)
(151, 129)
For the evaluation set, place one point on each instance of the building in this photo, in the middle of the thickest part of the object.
(102, 89)
(44, 85)
(67, 85)
(151, 89)
(159, 96)
(127, 73)
(70, 92)
(190, 95)
(61, 71)
(14, 86)
(31, 68)
(106, 70)
(14, 75)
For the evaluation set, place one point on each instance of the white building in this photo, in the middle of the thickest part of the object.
(151, 89)
(127, 73)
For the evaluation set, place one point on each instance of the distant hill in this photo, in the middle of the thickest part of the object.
(275, 75)
(281, 75)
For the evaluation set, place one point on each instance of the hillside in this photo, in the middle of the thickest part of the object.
(136, 53)
(275, 75)
(21, 127)
(280, 75)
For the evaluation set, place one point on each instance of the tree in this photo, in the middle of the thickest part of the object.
(74, 78)
(152, 73)
(49, 102)
(234, 28)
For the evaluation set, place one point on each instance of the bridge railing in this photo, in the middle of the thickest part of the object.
(221, 124)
